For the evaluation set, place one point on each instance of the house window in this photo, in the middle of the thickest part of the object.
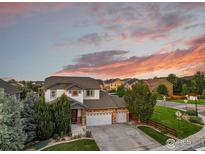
(70, 92)
(79, 91)
(74, 93)
(53, 93)
(90, 93)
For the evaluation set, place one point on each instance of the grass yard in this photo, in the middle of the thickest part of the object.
(167, 117)
(159, 137)
(200, 101)
(79, 145)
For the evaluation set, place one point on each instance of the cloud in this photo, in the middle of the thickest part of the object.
(97, 59)
(104, 65)
(196, 41)
(10, 12)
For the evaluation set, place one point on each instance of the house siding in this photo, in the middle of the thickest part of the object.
(96, 95)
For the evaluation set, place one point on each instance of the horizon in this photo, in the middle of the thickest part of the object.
(103, 41)
(8, 79)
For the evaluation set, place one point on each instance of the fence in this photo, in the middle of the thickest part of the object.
(161, 127)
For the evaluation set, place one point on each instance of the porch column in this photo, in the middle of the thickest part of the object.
(83, 114)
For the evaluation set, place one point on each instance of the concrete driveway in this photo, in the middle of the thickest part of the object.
(121, 137)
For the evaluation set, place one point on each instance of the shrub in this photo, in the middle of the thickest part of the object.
(88, 134)
(56, 137)
(201, 96)
(177, 97)
(191, 112)
(162, 89)
(195, 119)
(77, 136)
(203, 92)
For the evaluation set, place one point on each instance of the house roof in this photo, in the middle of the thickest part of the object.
(83, 82)
(105, 101)
(100, 81)
(8, 88)
(74, 104)
(111, 81)
(154, 82)
(131, 81)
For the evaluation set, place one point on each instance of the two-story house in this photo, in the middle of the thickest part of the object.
(112, 84)
(90, 105)
(154, 83)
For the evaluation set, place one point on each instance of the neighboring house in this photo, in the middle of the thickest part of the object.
(90, 105)
(9, 89)
(129, 83)
(38, 83)
(15, 83)
(154, 83)
(112, 84)
(101, 82)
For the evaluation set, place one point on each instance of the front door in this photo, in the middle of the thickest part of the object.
(74, 116)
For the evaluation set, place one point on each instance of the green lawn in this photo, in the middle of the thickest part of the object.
(79, 145)
(200, 101)
(159, 137)
(167, 117)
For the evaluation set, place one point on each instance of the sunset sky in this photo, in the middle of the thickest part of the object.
(101, 40)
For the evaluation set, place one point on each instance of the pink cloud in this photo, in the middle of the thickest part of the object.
(181, 61)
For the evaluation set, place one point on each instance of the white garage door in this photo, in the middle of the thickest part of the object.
(121, 117)
(98, 118)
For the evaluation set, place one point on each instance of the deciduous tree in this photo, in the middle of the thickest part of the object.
(140, 101)
(162, 89)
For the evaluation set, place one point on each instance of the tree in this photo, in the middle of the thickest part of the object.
(140, 101)
(172, 78)
(62, 116)
(175, 81)
(11, 130)
(185, 89)
(28, 116)
(43, 115)
(198, 82)
(121, 91)
(162, 89)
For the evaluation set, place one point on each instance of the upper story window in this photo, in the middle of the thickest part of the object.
(74, 93)
(53, 93)
(89, 93)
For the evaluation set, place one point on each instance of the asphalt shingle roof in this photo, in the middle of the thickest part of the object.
(106, 101)
(83, 82)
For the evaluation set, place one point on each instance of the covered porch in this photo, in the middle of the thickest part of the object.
(77, 113)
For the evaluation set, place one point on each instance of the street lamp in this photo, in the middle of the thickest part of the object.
(186, 101)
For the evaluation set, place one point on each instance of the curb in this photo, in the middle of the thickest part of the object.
(61, 142)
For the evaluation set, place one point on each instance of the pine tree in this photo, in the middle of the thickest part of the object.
(61, 115)
(28, 116)
(43, 115)
(11, 130)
